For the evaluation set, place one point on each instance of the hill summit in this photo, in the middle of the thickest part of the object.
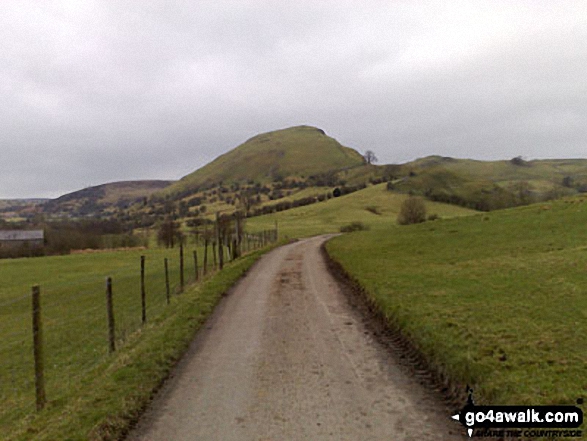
(300, 151)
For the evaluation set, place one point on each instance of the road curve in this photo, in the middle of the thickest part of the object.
(285, 357)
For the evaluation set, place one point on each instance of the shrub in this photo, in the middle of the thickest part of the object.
(373, 209)
(412, 211)
(353, 226)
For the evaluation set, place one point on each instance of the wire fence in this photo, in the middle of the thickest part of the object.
(73, 337)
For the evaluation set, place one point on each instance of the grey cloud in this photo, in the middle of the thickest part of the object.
(96, 92)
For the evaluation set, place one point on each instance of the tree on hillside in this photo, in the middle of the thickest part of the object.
(519, 161)
(568, 182)
(184, 209)
(523, 193)
(248, 199)
(412, 211)
(169, 234)
(370, 157)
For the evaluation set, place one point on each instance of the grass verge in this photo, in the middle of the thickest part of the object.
(497, 301)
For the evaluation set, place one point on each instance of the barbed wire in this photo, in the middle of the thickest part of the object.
(13, 346)
(83, 325)
(51, 323)
(52, 290)
(15, 300)
(124, 269)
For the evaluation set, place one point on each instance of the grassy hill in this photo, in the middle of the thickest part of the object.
(490, 185)
(303, 162)
(300, 151)
(493, 300)
(543, 172)
(375, 207)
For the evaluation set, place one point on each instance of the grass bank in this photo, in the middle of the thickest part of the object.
(498, 301)
(373, 206)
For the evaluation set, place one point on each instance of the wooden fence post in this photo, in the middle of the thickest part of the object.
(237, 247)
(219, 242)
(143, 294)
(167, 290)
(196, 264)
(220, 255)
(110, 314)
(205, 267)
(181, 279)
(38, 349)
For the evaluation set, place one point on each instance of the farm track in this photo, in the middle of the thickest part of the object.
(286, 356)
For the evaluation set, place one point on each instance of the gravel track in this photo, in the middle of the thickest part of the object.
(286, 357)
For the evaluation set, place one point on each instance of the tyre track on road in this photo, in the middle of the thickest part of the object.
(286, 357)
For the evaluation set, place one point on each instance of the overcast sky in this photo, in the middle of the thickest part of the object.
(100, 91)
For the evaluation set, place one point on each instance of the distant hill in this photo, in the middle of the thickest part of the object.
(300, 151)
(298, 165)
(103, 199)
(16, 208)
(9, 203)
(490, 185)
(540, 172)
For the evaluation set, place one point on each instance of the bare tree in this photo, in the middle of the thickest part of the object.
(370, 157)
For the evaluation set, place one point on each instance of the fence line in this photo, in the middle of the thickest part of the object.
(110, 311)
(16, 300)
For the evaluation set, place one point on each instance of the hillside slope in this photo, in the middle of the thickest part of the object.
(103, 198)
(541, 173)
(490, 185)
(300, 151)
(373, 206)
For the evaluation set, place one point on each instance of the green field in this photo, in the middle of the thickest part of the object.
(497, 301)
(75, 328)
(330, 215)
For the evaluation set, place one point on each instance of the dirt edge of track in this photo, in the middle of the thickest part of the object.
(452, 393)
